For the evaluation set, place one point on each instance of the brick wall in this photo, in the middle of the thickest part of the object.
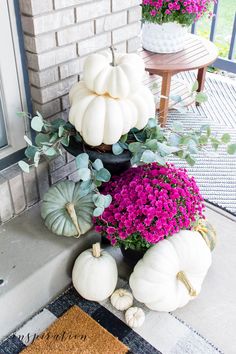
(58, 35)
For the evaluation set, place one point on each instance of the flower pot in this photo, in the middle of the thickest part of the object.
(115, 164)
(166, 38)
(131, 257)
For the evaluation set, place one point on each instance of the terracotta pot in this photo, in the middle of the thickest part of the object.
(166, 38)
(115, 164)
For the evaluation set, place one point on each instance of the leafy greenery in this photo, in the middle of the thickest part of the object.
(151, 144)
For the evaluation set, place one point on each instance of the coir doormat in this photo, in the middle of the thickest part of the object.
(76, 332)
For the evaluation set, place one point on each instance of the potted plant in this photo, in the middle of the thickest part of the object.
(166, 22)
(101, 130)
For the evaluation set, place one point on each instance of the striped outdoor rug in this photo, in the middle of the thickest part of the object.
(161, 333)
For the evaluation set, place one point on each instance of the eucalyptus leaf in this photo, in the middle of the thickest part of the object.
(166, 149)
(37, 123)
(135, 147)
(178, 126)
(99, 200)
(201, 97)
(84, 174)
(98, 211)
(195, 86)
(29, 142)
(30, 151)
(49, 151)
(148, 156)
(41, 138)
(24, 166)
(82, 161)
(37, 158)
(160, 160)
(108, 200)
(190, 160)
(152, 123)
(152, 144)
(174, 139)
(60, 131)
(117, 149)
(176, 98)
(103, 175)
(123, 139)
(98, 164)
(65, 140)
(231, 149)
(192, 147)
(57, 123)
(225, 138)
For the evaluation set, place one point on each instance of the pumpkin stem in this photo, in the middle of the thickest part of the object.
(113, 62)
(70, 207)
(183, 278)
(202, 229)
(96, 250)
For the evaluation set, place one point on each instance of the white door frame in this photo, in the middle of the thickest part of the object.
(12, 80)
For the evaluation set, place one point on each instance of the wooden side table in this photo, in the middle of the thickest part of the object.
(198, 54)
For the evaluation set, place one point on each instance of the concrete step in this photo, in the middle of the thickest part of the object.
(35, 266)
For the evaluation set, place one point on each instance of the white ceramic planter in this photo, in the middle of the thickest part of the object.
(166, 38)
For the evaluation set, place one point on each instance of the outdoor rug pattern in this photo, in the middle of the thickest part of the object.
(162, 333)
(215, 172)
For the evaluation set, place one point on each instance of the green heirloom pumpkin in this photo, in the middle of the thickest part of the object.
(66, 210)
(208, 232)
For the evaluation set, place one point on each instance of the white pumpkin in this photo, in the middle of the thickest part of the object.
(117, 75)
(102, 119)
(95, 274)
(171, 272)
(134, 317)
(122, 299)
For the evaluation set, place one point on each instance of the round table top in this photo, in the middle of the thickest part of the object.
(198, 53)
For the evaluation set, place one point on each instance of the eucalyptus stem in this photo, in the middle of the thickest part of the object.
(113, 62)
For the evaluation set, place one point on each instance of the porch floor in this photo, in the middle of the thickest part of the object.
(215, 173)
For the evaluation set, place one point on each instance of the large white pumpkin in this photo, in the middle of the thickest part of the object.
(117, 75)
(95, 274)
(171, 272)
(102, 119)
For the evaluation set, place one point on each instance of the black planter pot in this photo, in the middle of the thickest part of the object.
(131, 257)
(115, 164)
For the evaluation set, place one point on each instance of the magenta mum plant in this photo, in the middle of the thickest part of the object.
(149, 203)
(184, 12)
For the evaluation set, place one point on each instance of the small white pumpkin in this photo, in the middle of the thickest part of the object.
(95, 274)
(171, 272)
(134, 317)
(102, 119)
(115, 74)
(122, 299)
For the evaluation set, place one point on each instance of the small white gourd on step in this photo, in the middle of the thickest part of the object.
(122, 299)
(134, 317)
(95, 274)
(171, 272)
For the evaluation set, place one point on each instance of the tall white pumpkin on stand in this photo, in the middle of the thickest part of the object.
(111, 99)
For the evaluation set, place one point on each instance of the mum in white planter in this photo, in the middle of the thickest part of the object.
(166, 23)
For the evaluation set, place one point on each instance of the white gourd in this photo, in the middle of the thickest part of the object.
(115, 74)
(134, 317)
(102, 119)
(95, 274)
(122, 299)
(171, 272)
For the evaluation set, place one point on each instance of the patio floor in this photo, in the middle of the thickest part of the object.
(215, 173)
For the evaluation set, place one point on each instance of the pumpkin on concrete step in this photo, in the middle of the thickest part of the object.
(208, 232)
(102, 119)
(66, 210)
(171, 272)
(115, 74)
(122, 299)
(95, 274)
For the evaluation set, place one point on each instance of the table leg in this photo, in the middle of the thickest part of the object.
(164, 102)
(201, 75)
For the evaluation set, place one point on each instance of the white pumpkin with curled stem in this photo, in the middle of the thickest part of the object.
(118, 75)
(95, 274)
(171, 272)
(102, 119)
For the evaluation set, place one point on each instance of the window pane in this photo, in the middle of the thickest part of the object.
(3, 137)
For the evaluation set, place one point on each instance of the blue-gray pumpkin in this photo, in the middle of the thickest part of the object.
(66, 210)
